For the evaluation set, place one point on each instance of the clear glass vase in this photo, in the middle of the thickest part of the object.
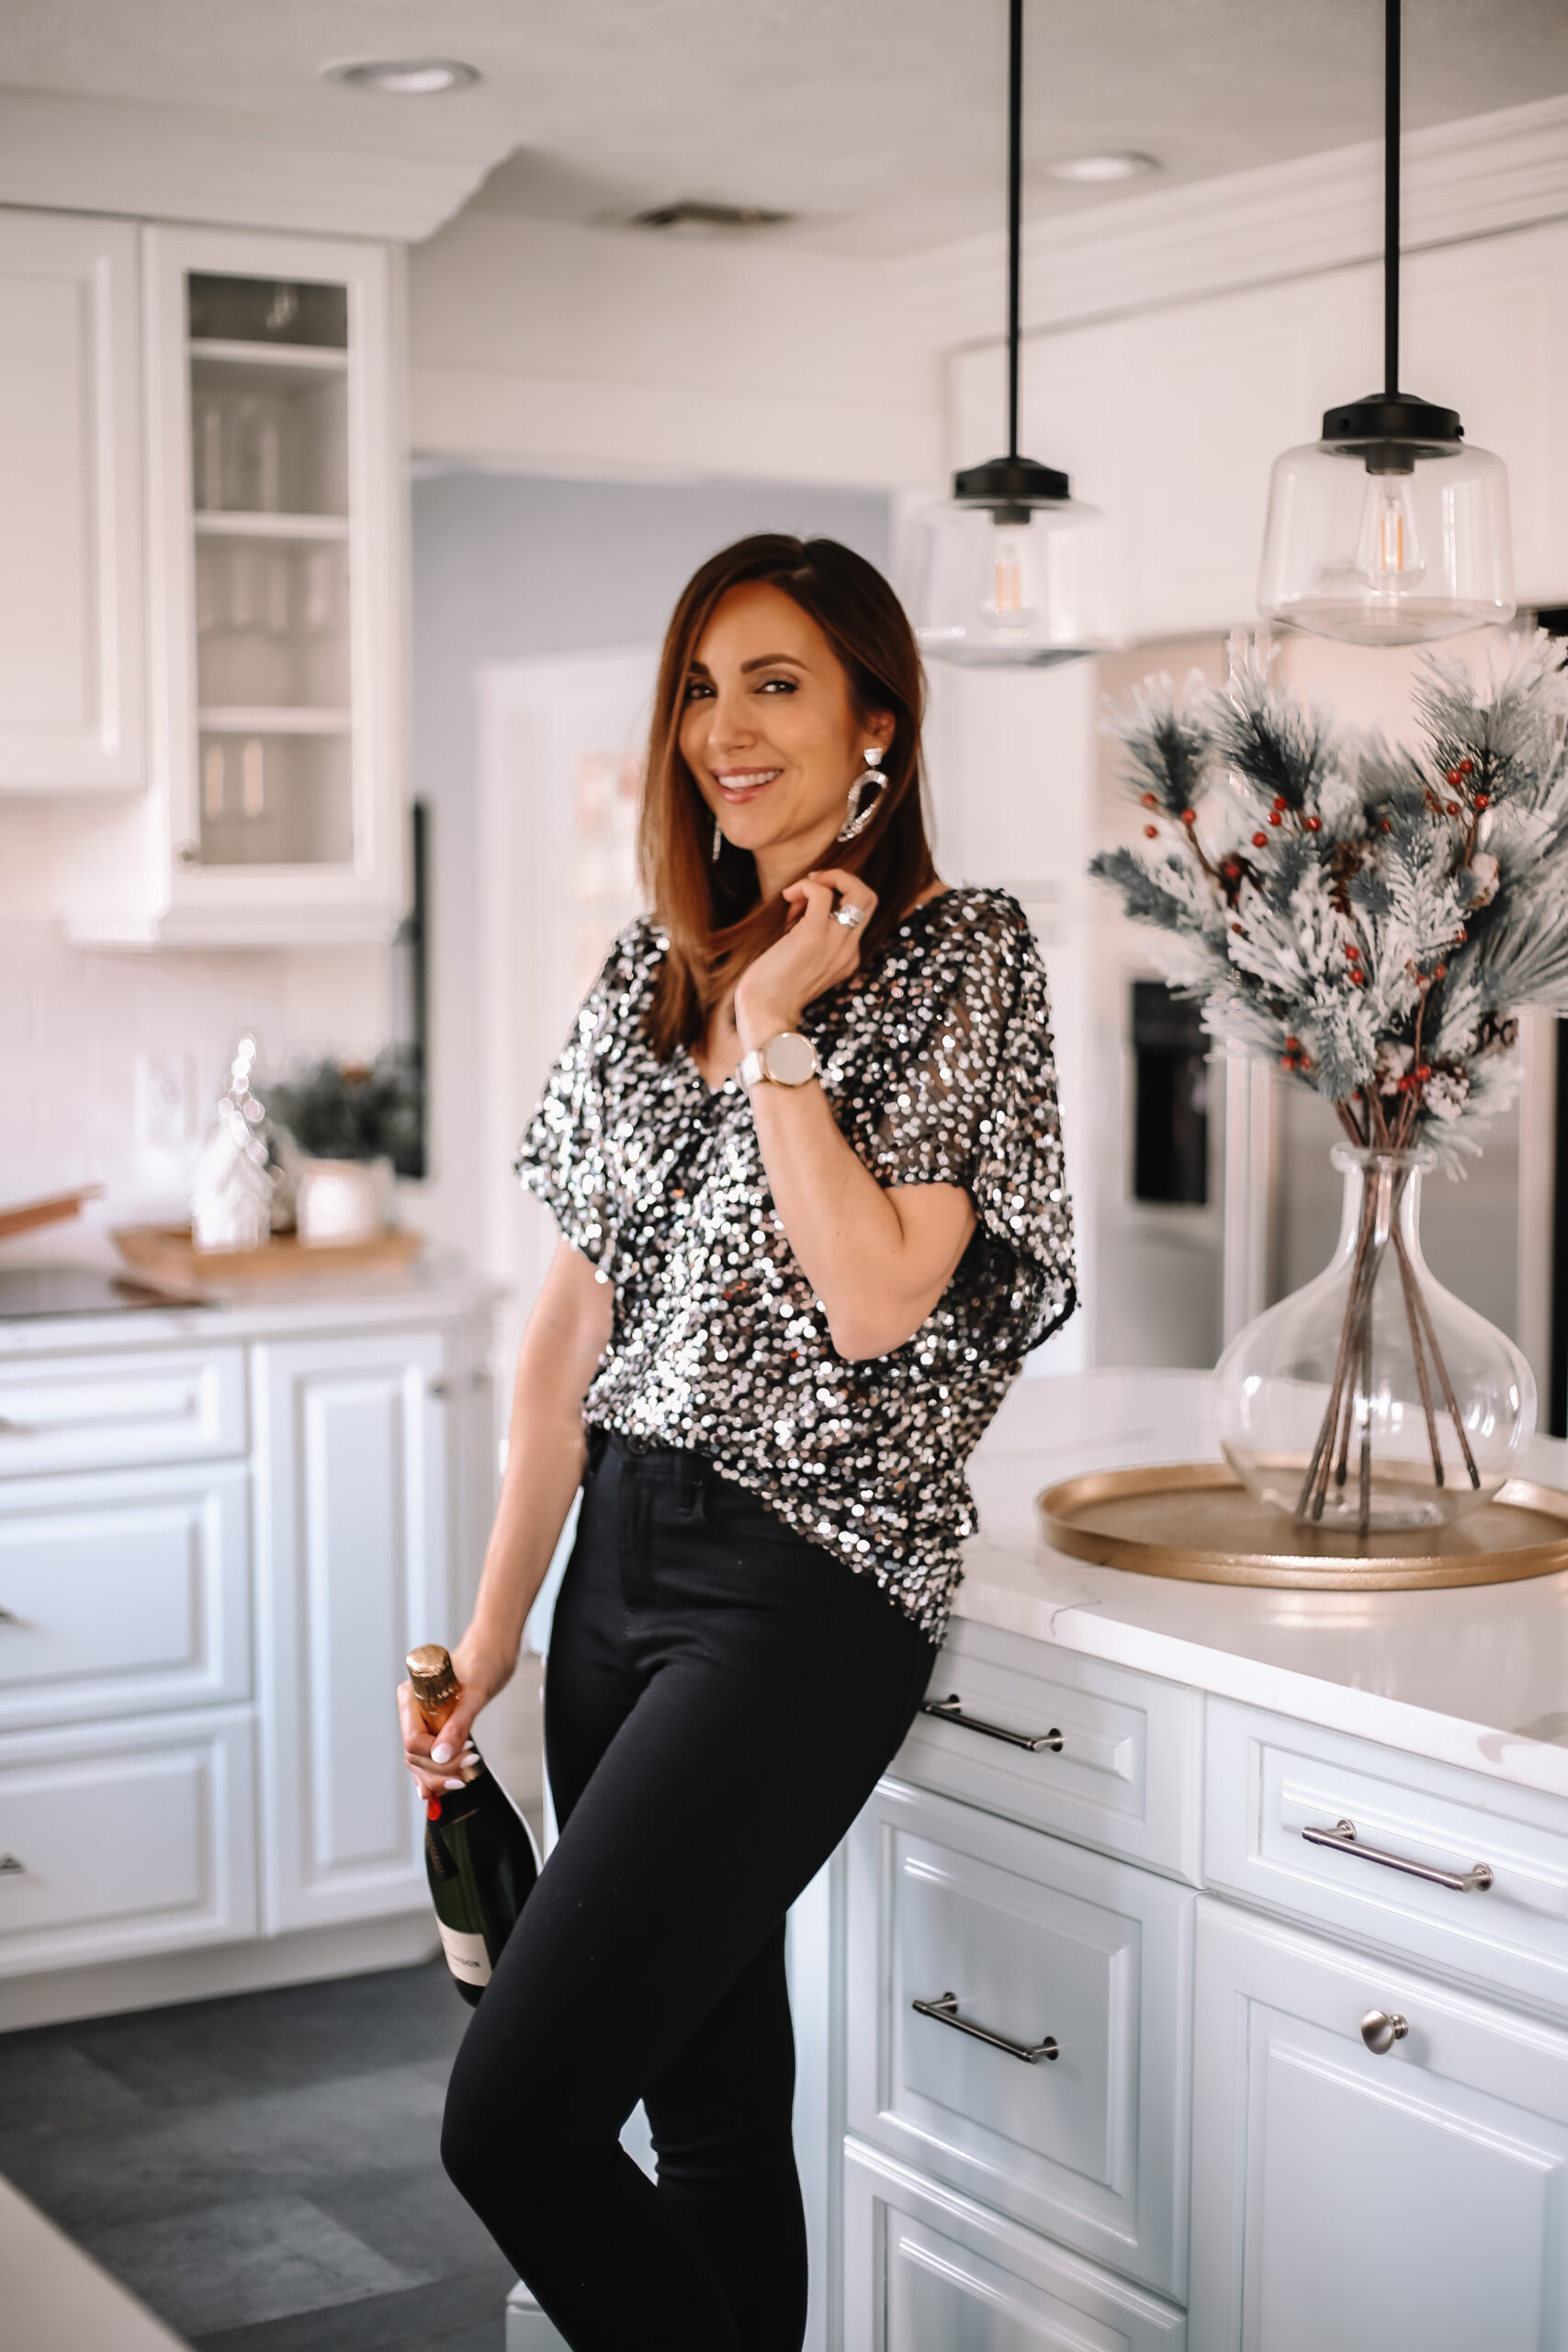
(1372, 1398)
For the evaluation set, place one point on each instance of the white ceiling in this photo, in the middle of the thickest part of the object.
(879, 121)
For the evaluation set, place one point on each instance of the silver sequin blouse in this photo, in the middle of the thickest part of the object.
(937, 1061)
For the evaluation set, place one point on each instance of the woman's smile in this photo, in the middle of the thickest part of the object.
(741, 785)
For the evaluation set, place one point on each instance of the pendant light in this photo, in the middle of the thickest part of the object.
(1391, 530)
(1010, 572)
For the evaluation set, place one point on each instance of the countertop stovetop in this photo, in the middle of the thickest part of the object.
(27, 1293)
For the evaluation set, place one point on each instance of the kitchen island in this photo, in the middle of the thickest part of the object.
(1234, 2085)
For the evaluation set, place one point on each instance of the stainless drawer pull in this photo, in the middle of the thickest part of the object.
(951, 1711)
(10, 1867)
(1381, 2029)
(14, 1429)
(9, 1617)
(945, 2012)
(1343, 1837)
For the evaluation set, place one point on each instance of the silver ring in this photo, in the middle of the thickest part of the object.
(850, 917)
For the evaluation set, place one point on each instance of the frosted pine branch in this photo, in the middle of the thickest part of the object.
(1372, 915)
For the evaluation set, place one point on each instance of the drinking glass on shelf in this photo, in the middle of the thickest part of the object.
(278, 592)
(207, 453)
(253, 795)
(318, 615)
(269, 464)
(242, 598)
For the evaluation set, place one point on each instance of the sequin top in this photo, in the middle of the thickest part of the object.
(937, 1060)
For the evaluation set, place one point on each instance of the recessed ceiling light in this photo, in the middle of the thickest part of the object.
(1095, 168)
(404, 77)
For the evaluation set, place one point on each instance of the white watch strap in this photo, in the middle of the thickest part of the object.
(759, 1063)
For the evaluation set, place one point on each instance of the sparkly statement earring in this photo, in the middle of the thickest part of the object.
(717, 843)
(857, 819)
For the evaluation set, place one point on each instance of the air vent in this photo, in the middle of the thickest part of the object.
(689, 216)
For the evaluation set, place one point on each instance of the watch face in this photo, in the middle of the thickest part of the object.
(790, 1060)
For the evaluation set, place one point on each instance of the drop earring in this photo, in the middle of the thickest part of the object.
(718, 844)
(857, 819)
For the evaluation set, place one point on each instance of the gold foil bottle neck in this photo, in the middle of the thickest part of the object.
(435, 1682)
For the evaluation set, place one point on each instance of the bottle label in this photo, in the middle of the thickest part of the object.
(465, 1955)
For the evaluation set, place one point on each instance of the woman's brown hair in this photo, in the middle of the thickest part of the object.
(715, 922)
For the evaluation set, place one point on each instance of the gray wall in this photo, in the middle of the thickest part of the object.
(506, 567)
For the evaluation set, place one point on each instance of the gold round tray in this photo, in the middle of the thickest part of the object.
(1195, 1519)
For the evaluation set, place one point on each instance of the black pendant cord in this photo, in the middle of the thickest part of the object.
(1015, 200)
(1389, 199)
(1009, 485)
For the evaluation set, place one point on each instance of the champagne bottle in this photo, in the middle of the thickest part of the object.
(479, 1854)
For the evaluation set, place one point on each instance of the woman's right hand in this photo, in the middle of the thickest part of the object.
(437, 1759)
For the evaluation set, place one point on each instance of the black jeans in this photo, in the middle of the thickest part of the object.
(720, 1699)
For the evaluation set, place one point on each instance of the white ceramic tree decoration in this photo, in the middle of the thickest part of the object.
(231, 1199)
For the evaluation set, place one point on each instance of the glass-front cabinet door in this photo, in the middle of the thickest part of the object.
(275, 497)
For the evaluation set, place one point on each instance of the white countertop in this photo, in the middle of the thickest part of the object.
(433, 1288)
(1476, 1675)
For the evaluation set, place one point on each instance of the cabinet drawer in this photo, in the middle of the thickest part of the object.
(927, 2271)
(1270, 1779)
(1034, 1938)
(127, 1593)
(124, 1839)
(100, 1412)
(1407, 2198)
(1125, 1777)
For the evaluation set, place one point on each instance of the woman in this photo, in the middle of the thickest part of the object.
(803, 1148)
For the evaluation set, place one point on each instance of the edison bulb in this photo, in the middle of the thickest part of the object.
(1389, 554)
(1026, 586)
(1013, 602)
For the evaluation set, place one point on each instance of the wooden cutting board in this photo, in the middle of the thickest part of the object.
(52, 1210)
(166, 1254)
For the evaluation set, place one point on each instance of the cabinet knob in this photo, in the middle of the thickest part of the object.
(1380, 2030)
(9, 1617)
(11, 1867)
(189, 853)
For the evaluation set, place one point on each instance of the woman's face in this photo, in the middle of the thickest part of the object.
(770, 731)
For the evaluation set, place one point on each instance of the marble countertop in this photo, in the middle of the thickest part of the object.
(1476, 1675)
(435, 1287)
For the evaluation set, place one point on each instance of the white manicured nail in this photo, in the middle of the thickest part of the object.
(441, 1756)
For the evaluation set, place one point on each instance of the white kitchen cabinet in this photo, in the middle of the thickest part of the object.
(274, 496)
(355, 1551)
(124, 1594)
(122, 1839)
(220, 1530)
(1411, 2199)
(1111, 1759)
(928, 2271)
(1429, 1862)
(72, 650)
(103, 1407)
(1055, 2089)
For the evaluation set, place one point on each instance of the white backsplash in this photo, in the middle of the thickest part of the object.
(110, 1063)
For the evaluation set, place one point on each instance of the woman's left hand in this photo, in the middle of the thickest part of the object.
(816, 953)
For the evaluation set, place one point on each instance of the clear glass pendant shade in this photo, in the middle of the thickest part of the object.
(1390, 546)
(1024, 585)
(1372, 1398)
